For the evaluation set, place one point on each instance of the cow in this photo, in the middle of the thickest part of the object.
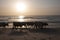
(23, 23)
(3, 24)
(40, 25)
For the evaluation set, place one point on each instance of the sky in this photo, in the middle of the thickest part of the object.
(33, 7)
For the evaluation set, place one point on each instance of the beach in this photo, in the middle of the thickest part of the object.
(29, 19)
(49, 32)
(42, 34)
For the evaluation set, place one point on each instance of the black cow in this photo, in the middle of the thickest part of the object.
(37, 24)
(22, 23)
(40, 25)
(3, 24)
(30, 23)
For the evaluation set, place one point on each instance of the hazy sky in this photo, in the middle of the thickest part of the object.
(34, 7)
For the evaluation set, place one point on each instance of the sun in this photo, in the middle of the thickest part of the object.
(20, 7)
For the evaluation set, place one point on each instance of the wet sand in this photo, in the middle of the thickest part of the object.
(42, 34)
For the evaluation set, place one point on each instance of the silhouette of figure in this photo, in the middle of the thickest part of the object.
(3, 24)
(39, 25)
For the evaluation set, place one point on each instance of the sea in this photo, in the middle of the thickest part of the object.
(52, 20)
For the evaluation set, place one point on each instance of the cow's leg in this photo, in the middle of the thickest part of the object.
(41, 26)
(26, 25)
(13, 29)
(3, 29)
(35, 26)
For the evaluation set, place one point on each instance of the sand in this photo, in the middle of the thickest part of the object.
(42, 34)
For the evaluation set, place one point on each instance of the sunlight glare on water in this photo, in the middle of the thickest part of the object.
(21, 18)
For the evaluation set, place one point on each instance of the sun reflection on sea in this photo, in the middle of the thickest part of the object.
(21, 18)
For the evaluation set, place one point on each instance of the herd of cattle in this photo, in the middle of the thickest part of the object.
(16, 24)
